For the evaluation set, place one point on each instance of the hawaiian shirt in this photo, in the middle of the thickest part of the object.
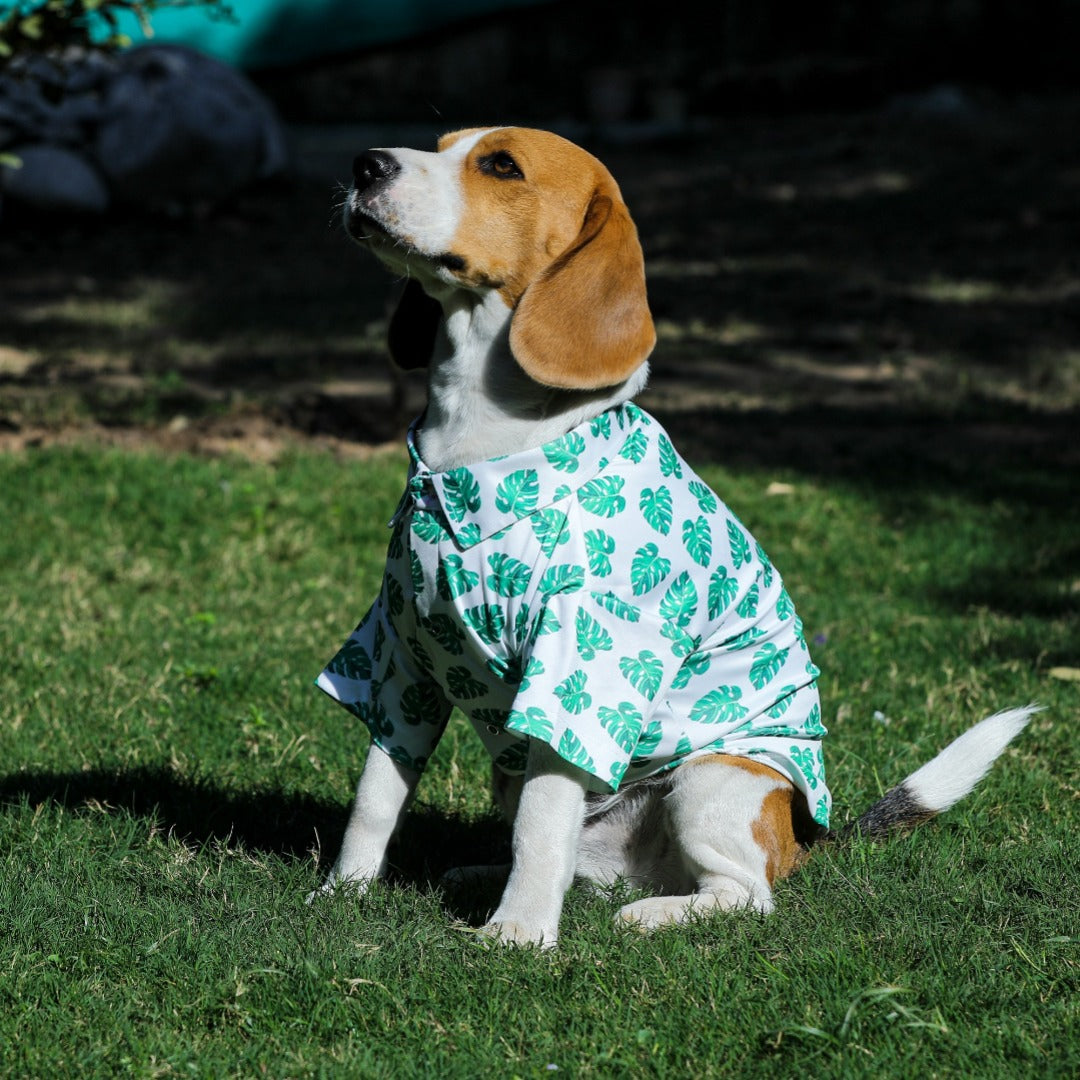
(593, 593)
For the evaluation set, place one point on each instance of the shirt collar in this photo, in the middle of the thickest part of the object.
(479, 500)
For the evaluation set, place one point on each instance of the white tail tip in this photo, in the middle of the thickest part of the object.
(948, 777)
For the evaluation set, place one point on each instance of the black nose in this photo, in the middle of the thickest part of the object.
(373, 168)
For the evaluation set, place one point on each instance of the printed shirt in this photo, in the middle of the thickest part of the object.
(593, 593)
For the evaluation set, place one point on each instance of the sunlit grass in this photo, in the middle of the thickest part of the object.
(171, 777)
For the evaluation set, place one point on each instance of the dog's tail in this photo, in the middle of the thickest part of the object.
(945, 779)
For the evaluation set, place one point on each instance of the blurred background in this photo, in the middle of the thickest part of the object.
(861, 221)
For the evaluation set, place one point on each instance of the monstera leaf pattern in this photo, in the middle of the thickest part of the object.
(594, 594)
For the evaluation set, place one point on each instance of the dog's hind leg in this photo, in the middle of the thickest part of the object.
(732, 820)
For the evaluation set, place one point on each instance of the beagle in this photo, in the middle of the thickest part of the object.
(620, 642)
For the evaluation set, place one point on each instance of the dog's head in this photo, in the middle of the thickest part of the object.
(521, 214)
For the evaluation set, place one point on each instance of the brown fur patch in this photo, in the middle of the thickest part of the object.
(775, 828)
(559, 245)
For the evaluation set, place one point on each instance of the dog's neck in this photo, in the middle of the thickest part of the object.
(480, 402)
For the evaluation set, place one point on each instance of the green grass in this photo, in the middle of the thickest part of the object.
(171, 786)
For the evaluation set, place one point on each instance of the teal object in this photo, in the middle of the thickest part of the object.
(276, 33)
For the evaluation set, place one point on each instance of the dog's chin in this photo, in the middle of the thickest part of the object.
(366, 229)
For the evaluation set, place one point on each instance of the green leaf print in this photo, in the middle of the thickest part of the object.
(598, 547)
(452, 578)
(697, 663)
(572, 693)
(680, 601)
(547, 623)
(784, 607)
(603, 496)
(519, 493)
(396, 547)
(563, 453)
(697, 539)
(600, 426)
(648, 569)
(469, 535)
(445, 631)
(532, 668)
(722, 592)
(427, 526)
(635, 447)
(374, 715)
(487, 621)
(648, 740)
(618, 607)
(811, 764)
(719, 706)
(813, 725)
(422, 704)
(636, 413)
(564, 578)
(532, 722)
(747, 606)
(395, 595)
(682, 644)
(514, 758)
(591, 636)
(766, 566)
(549, 527)
(462, 685)
(509, 576)
(416, 572)
(706, 500)
(786, 695)
(461, 493)
(644, 672)
(490, 717)
(669, 460)
(403, 757)
(570, 749)
(747, 637)
(351, 662)
(740, 546)
(420, 654)
(622, 724)
(655, 506)
(768, 661)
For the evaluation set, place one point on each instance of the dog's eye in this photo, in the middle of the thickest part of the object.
(502, 165)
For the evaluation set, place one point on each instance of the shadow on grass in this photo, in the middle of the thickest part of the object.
(285, 824)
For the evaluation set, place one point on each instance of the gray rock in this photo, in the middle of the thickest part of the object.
(54, 178)
(157, 125)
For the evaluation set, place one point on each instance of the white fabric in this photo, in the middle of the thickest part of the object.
(593, 593)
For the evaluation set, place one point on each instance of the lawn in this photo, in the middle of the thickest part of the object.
(869, 346)
(173, 785)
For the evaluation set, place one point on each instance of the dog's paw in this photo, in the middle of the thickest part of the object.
(654, 912)
(356, 887)
(509, 932)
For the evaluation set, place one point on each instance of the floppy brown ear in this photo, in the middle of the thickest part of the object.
(584, 322)
(413, 327)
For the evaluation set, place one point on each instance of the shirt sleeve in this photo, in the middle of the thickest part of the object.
(377, 678)
(596, 670)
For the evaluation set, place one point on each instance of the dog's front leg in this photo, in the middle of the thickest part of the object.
(382, 795)
(547, 829)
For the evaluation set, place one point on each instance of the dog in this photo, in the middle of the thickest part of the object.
(621, 643)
